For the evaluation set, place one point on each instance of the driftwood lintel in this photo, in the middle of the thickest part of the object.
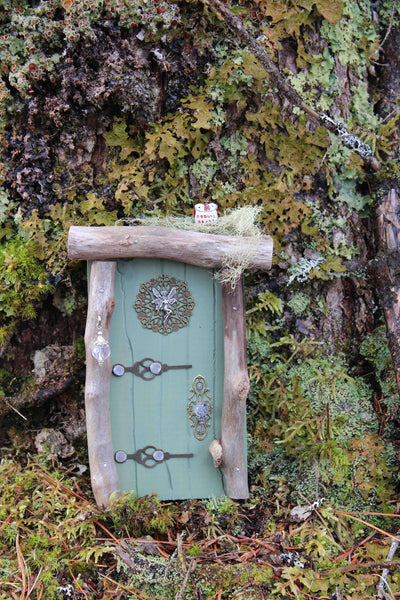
(191, 247)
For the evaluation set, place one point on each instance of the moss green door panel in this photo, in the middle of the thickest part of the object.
(155, 412)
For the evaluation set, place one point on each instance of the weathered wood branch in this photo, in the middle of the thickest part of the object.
(236, 389)
(236, 26)
(192, 247)
(103, 472)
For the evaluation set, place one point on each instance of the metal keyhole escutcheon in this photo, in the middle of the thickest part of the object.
(199, 408)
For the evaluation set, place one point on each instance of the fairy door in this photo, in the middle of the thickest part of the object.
(166, 340)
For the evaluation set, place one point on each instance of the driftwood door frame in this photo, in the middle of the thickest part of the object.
(101, 245)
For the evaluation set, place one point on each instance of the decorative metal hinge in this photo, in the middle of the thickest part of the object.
(149, 457)
(147, 368)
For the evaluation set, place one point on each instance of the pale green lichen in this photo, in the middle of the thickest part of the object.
(301, 270)
(204, 170)
(299, 303)
(374, 348)
(351, 38)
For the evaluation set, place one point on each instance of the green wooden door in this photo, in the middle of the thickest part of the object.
(152, 297)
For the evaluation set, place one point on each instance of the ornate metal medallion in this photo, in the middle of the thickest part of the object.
(164, 304)
(199, 407)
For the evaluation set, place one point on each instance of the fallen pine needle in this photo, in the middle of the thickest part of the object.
(120, 585)
(346, 514)
(107, 531)
(375, 564)
(375, 514)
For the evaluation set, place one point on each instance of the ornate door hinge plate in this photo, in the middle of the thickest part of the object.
(149, 457)
(147, 368)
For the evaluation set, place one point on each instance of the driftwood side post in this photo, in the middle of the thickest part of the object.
(236, 389)
(103, 473)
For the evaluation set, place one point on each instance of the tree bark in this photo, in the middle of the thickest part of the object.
(287, 90)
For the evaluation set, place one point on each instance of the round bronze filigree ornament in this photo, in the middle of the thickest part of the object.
(164, 304)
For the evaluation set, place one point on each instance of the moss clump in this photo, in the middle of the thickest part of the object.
(299, 303)
(314, 429)
(375, 350)
(326, 384)
(23, 281)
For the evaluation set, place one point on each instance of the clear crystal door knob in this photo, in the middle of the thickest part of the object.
(100, 348)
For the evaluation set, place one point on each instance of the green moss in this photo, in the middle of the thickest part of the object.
(375, 349)
(325, 382)
(23, 281)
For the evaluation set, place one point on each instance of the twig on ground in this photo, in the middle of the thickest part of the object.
(373, 564)
(184, 582)
(383, 579)
(173, 556)
(179, 547)
(387, 596)
(338, 593)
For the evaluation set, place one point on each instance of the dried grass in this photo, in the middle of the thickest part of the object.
(240, 222)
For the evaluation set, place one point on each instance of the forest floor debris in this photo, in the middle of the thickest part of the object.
(57, 544)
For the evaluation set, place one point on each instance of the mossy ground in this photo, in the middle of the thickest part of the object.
(57, 544)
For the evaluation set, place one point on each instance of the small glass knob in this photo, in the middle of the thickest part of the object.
(158, 455)
(201, 409)
(118, 370)
(155, 368)
(120, 456)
